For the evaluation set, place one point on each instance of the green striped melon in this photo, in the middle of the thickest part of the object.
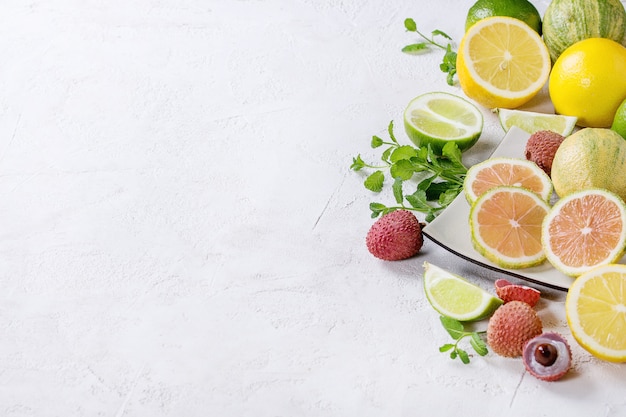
(590, 158)
(566, 22)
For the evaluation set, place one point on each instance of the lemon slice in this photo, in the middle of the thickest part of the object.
(505, 224)
(438, 118)
(595, 308)
(583, 230)
(455, 297)
(502, 62)
(494, 172)
(533, 122)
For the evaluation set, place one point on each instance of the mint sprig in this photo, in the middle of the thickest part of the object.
(438, 178)
(457, 331)
(448, 64)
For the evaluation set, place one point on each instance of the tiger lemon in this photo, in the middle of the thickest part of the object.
(590, 158)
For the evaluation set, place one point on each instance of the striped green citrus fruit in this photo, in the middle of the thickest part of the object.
(590, 158)
(566, 22)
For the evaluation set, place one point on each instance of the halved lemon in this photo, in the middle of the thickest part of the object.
(585, 229)
(453, 296)
(532, 122)
(438, 118)
(494, 172)
(502, 62)
(595, 308)
(505, 224)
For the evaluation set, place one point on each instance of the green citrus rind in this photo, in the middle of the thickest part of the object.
(438, 118)
(453, 296)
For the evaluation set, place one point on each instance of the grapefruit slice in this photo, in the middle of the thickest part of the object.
(495, 172)
(585, 229)
(505, 224)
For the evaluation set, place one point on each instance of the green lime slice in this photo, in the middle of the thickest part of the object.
(438, 118)
(455, 297)
(532, 122)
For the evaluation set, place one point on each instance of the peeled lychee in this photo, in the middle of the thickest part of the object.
(395, 236)
(547, 356)
(541, 147)
(513, 292)
(511, 326)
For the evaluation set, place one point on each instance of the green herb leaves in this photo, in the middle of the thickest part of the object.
(438, 179)
(457, 331)
(448, 65)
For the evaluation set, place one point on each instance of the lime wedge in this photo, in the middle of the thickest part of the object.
(532, 122)
(438, 118)
(456, 297)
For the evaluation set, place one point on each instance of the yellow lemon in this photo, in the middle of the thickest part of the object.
(595, 308)
(502, 62)
(588, 81)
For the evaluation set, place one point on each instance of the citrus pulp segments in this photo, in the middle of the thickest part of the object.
(505, 224)
(499, 171)
(532, 122)
(455, 297)
(583, 230)
(502, 62)
(437, 118)
(595, 308)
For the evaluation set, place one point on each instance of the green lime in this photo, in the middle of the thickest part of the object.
(619, 121)
(532, 122)
(519, 9)
(438, 118)
(455, 297)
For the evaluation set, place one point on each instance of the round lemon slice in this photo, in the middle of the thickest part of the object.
(595, 308)
(502, 62)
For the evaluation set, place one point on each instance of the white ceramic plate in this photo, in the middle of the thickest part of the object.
(451, 231)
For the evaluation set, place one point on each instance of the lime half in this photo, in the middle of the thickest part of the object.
(532, 122)
(455, 297)
(438, 118)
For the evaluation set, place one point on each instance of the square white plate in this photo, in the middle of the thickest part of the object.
(451, 231)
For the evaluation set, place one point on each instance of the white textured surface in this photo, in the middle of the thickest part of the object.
(180, 234)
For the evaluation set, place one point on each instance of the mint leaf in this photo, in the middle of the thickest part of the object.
(376, 142)
(478, 344)
(374, 182)
(402, 169)
(415, 48)
(448, 63)
(397, 190)
(402, 152)
(457, 331)
(357, 163)
(410, 25)
(454, 327)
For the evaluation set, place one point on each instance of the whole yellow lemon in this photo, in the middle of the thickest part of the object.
(588, 81)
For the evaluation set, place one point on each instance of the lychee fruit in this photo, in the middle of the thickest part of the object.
(547, 356)
(514, 292)
(511, 326)
(541, 147)
(395, 236)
